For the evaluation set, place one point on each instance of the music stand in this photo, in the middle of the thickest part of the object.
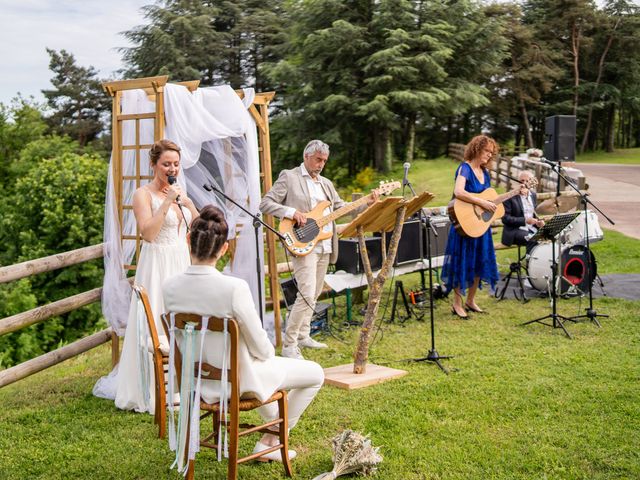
(386, 215)
(550, 231)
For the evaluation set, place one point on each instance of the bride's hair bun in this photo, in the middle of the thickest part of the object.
(211, 213)
(209, 231)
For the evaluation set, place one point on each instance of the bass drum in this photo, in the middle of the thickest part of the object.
(577, 269)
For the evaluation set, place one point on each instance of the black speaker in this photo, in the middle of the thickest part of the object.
(349, 258)
(409, 244)
(441, 223)
(560, 138)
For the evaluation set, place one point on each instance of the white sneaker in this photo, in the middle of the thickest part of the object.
(292, 351)
(311, 343)
(271, 456)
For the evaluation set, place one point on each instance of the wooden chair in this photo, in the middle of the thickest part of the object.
(160, 364)
(280, 426)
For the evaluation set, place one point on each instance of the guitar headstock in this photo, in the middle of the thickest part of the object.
(386, 188)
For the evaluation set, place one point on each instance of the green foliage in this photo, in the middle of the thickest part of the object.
(77, 99)
(216, 41)
(56, 206)
(20, 123)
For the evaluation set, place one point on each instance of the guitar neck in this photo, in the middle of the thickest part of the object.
(505, 196)
(343, 211)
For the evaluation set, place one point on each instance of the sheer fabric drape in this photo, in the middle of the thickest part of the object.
(219, 145)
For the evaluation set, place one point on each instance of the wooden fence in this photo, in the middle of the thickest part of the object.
(42, 313)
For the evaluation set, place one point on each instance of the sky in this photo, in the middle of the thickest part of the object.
(89, 29)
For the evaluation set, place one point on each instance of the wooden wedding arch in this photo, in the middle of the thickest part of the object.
(154, 88)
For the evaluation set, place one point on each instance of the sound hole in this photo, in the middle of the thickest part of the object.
(486, 215)
(308, 232)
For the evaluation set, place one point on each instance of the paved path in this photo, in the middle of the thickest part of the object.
(615, 189)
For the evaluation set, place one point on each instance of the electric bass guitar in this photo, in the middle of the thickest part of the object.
(471, 220)
(301, 240)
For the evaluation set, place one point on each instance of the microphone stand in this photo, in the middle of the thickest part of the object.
(591, 313)
(257, 222)
(432, 355)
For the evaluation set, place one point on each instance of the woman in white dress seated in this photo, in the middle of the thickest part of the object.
(164, 253)
(203, 290)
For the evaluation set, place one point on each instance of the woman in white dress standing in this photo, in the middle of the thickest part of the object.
(164, 253)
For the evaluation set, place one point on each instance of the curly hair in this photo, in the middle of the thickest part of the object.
(209, 231)
(477, 144)
(161, 146)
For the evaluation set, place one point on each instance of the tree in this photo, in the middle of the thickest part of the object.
(217, 41)
(56, 206)
(20, 123)
(77, 100)
(613, 18)
(568, 26)
(530, 70)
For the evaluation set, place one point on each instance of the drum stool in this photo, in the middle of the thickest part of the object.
(515, 268)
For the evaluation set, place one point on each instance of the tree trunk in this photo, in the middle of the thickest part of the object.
(525, 124)
(575, 51)
(376, 287)
(411, 137)
(585, 139)
(381, 150)
(612, 128)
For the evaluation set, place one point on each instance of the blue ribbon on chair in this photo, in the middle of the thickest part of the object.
(142, 341)
(189, 416)
(224, 392)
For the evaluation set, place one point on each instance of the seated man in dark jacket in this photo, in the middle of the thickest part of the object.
(520, 219)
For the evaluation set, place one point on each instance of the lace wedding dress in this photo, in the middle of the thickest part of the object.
(166, 256)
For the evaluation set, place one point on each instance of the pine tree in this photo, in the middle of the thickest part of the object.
(530, 70)
(77, 100)
(217, 41)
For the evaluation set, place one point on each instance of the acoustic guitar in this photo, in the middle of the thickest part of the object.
(471, 220)
(301, 240)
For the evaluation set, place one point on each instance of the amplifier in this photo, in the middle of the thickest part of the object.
(441, 223)
(320, 318)
(412, 235)
(349, 258)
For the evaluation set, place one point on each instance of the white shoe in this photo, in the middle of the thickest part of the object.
(275, 456)
(292, 351)
(311, 343)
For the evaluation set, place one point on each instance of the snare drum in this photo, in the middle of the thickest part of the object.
(575, 234)
(577, 269)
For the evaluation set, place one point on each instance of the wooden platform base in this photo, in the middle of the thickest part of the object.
(342, 376)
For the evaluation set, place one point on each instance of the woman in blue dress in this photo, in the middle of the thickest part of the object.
(467, 260)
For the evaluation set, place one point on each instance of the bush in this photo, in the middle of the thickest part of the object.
(58, 206)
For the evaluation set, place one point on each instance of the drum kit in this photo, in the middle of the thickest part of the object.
(576, 263)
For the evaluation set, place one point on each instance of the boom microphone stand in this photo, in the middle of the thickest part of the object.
(432, 355)
(257, 222)
(591, 313)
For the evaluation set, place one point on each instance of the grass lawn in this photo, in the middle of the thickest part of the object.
(524, 402)
(625, 156)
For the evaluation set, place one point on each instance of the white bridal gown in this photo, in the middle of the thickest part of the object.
(166, 256)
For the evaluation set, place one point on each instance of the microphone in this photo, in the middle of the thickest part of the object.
(405, 180)
(171, 179)
(207, 187)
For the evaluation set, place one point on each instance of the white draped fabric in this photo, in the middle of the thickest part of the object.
(219, 146)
